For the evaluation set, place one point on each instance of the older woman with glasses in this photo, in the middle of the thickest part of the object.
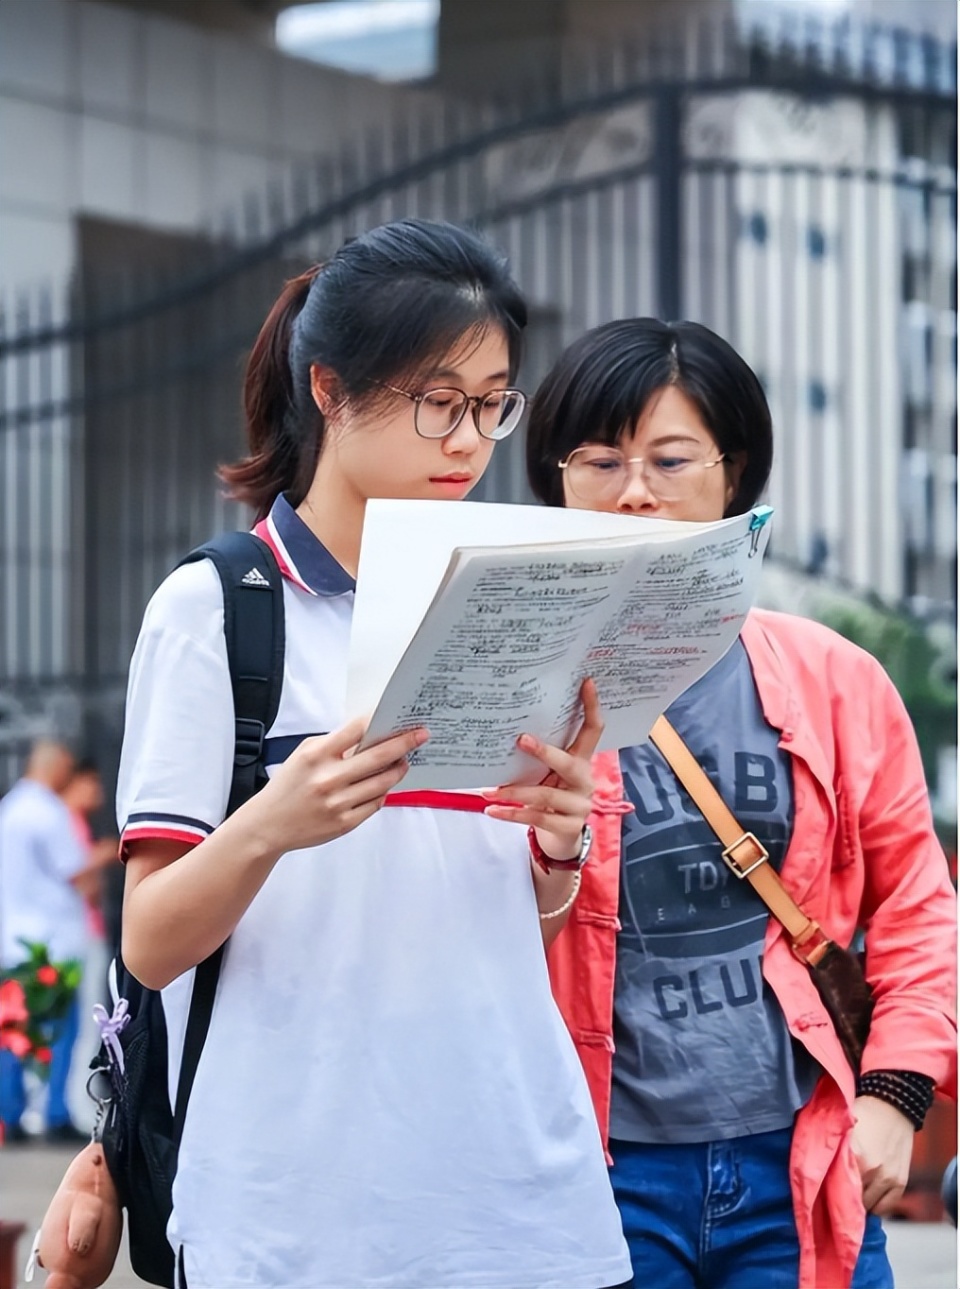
(746, 1155)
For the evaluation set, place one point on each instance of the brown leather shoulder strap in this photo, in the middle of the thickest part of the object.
(744, 855)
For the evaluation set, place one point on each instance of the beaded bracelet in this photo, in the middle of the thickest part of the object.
(568, 902)
(908, 1092)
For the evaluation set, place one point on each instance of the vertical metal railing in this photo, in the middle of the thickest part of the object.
(646, 190)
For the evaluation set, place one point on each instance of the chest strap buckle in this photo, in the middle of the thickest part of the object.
(248, 741)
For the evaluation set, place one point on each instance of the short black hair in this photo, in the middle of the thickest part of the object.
(601, 384)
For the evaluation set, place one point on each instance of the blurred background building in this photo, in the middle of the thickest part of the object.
(783, 172)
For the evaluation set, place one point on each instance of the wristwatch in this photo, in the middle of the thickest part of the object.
(550, 865)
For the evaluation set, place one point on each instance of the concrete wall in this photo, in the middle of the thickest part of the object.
(135, 117)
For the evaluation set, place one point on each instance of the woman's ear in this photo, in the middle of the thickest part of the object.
(733, 468)
(324, 386)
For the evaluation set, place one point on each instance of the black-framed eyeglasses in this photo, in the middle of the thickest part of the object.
(437, 412)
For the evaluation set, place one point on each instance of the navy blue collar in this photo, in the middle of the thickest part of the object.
(302, 557)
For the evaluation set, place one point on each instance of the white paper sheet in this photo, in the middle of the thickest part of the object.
(645, 610)
(404, 554)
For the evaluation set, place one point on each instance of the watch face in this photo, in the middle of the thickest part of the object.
(587, 843)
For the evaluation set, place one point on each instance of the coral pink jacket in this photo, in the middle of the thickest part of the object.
(863, 853)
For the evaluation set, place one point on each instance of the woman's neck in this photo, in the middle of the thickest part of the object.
(335, 519)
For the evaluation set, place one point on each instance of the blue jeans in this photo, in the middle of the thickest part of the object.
(719, 1215)
(13, 1100)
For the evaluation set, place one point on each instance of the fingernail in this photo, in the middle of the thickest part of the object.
(527, 741)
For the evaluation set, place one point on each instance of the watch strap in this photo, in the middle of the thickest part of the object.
(550, 865)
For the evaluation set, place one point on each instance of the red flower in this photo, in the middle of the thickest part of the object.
(43, 1055)
(15, 1041)
(48, 975)
(13, 1007)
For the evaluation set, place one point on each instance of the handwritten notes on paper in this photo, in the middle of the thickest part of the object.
(511, 631)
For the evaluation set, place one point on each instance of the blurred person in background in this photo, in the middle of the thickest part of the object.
(43, 866)
(84, 797)
(745, 1153)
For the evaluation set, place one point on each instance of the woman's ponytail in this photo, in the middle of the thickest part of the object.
(283, 449)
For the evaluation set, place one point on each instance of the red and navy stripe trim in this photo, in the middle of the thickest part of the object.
(267, 532)
(154, 825)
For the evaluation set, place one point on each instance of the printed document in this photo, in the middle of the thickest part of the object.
(481, 640)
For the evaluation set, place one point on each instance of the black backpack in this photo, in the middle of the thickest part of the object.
(139, 1134)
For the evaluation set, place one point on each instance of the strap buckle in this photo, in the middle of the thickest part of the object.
(811, 945)
(742, 867)
(249, 737)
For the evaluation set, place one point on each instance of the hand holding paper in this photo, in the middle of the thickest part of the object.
(481, 642)
(558, 805)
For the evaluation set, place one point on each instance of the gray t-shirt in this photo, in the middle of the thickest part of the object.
(702, 1049)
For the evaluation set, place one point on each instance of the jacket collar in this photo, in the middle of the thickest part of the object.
(783, 706)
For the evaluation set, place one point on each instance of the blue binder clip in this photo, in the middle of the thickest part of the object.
(759, 517)
(758, 520)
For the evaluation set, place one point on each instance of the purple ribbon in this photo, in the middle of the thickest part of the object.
(110, 1027)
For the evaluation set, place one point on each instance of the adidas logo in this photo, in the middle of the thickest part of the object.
(254, 578)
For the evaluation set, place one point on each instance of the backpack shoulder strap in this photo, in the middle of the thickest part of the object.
(253, 626)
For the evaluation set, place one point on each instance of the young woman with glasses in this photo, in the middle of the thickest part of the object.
(387, 1095)
(745, 1154)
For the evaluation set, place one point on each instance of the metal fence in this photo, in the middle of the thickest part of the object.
(797, 192)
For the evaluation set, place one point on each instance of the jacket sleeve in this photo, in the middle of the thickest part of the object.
(909, 906)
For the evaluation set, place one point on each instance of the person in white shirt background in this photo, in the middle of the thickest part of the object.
(387, 1094)
(43, 866)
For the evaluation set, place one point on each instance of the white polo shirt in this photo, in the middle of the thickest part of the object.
(388, 1095)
